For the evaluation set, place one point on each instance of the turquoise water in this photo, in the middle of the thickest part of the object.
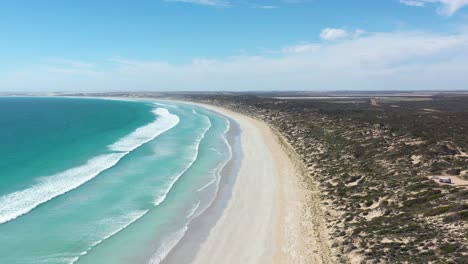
(103, 181)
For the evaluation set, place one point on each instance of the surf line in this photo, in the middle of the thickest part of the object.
(21, 202)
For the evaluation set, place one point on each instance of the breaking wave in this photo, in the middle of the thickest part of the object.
(21, 202)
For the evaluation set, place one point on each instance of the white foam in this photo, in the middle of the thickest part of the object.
(217, 178)
(171, 241)
(216, 151)
(193, 210)
(144, 134)
(167, 245)
(174, 238)
(222, 165)
(207, 185)
(166, 105)
(121, 224)
(226, 142)
(21, 202)
(51, 258)
(165, 190)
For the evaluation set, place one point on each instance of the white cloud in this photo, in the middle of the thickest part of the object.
(333, 33)
(358, 32)
(412, 2)
(446, 7)
(395, 60)
(216, 3)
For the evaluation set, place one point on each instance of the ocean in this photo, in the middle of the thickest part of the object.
(104, 181)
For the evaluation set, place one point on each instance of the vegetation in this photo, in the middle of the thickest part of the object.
(373, 161)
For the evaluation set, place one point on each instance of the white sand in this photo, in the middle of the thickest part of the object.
(263, 221)
(271, 217)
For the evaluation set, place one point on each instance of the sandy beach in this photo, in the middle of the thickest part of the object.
(264, 219)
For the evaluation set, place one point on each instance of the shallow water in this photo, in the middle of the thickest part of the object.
(103, 181)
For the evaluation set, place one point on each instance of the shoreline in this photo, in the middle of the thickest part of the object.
(185, 250)
(198, 229)
(266, 219)
(266, 206)
(187, 247)
(290, 224)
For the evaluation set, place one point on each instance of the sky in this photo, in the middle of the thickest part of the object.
(233, 45)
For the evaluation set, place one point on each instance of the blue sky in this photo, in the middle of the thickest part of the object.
(233, 45)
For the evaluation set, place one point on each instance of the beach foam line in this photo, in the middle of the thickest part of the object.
(222, 165)
(167, 245)
(217, 172)
(171, 241)
(123, 223)
(21, 202)
(169, 185)
(207, 185)
(64, 257)
(193, 210)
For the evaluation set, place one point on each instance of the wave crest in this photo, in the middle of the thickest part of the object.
(21, 202)
(144, 134)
